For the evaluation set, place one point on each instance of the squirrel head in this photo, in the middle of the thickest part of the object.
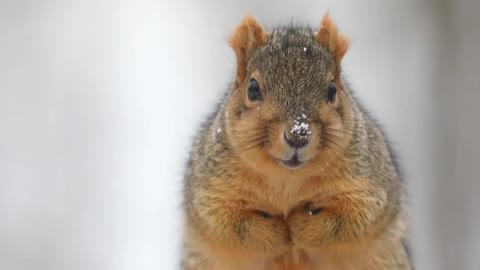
(288, 107)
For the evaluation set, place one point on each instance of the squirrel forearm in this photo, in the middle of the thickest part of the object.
(349, 216)
(239, 225)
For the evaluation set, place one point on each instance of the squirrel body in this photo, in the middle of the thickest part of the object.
(290, 172)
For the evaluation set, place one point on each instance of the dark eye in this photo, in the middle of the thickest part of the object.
(331, 92)
(254, 93)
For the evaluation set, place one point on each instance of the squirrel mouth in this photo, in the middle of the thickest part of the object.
(292, 163)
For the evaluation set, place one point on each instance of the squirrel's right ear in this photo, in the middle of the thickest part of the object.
(248, 36)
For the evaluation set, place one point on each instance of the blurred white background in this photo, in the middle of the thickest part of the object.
(99, 101)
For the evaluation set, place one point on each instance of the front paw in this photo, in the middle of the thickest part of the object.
(310, 225)
(264, 232)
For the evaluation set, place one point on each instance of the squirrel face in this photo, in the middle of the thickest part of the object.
(288, 106)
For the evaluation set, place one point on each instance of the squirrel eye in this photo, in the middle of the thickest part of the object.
(254, 93)
(331, 92)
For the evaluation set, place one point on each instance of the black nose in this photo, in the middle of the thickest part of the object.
(296, 141)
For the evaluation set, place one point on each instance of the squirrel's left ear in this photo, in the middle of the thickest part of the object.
(329, 38)
(248, 36)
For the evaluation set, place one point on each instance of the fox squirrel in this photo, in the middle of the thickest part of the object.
(290, 172)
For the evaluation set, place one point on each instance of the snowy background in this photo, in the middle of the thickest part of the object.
(99, 101)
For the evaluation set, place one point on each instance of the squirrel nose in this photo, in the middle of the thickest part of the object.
(299, 134)
(296, 141)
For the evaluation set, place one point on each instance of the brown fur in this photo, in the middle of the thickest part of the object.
(341, 209)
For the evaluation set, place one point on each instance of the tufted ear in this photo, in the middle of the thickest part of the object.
(248, 36)
(328, 37)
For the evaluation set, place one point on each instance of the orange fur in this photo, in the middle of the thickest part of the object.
(329, 38)
(248, 36)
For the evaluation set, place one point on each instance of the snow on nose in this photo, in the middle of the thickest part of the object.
(300, 128)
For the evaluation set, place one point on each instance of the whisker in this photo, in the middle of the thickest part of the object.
(251, 147)
(330, 146)
(332, 143)
(339, 130)
(249, 141)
